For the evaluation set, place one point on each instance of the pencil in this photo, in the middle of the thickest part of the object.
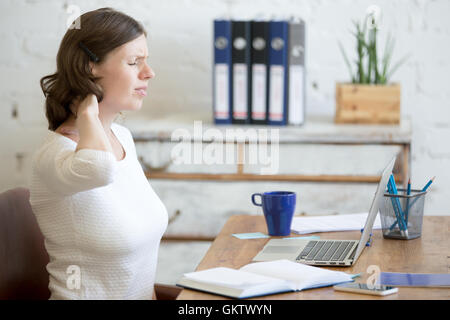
(408, 192)
(396, 206)
(428, 184)
(423, 190)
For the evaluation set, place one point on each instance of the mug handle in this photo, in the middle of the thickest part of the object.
(253, 199)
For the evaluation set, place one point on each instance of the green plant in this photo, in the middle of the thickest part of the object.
(369, 69)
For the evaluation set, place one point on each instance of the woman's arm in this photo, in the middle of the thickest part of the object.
(91, 133)
(93, 163)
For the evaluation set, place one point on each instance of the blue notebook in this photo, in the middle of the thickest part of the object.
(415, 279)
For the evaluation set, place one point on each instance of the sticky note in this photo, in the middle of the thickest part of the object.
(253, 235)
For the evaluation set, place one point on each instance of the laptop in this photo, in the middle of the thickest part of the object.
(327, 252)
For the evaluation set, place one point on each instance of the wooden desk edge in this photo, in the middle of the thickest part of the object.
(240, 223)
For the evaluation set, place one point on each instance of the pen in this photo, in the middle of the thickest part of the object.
(423, 190)
(428, 184)
(408, 192)
(396, 206)
(401, 221)
(408, 206)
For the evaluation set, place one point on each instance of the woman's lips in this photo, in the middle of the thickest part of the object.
(142, 91)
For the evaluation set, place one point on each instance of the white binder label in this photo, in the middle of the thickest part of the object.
(296, 94)
(276, 95)
(259, 91)
(240, 90)
(222, 104)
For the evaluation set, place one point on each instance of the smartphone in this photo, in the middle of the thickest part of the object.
(378, 290)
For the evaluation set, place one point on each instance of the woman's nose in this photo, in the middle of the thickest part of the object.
(148, 72)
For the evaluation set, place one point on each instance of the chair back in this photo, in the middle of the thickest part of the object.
(23, 257)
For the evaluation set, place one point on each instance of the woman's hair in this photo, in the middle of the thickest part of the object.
(100, 32)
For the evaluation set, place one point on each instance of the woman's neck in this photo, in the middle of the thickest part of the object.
(70, 126)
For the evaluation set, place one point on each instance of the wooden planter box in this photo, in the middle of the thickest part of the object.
(365, 103)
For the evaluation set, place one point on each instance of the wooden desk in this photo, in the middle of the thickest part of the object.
(427, 254)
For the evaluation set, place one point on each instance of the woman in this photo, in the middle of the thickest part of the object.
(101, 220)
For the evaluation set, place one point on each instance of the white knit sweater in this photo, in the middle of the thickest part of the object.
(101, 220)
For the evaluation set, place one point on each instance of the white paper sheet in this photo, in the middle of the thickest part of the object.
(342, 222)
(228, 277)
(302, 275)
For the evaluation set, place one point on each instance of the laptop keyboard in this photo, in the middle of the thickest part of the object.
(325, 250)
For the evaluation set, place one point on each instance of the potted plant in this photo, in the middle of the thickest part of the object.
(370, 97)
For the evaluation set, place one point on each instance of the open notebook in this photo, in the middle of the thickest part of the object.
(262, 278)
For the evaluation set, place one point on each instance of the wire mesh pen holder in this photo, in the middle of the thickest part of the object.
(402, 214)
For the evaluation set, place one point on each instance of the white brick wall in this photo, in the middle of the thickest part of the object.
(180, 33)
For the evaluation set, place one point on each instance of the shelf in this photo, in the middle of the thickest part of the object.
(255, 177)
(316, 130)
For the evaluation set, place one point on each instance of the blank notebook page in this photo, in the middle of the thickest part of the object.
(342, 222)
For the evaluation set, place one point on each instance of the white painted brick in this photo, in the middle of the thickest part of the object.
(42, 45)
(437, 201)
(12, 52)
(10, 179)
(429, 110)
(180, 47)
(436, 16)
(34, 16)
(434, 78)
(31, 110)
(21, 139)
(438, 142)
(7, 105)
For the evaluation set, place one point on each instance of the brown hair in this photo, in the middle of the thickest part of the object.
(100, 32)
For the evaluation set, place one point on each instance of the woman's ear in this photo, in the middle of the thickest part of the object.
(93, 69)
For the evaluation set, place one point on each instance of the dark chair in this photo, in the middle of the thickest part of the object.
(22, 253)
(23, 257)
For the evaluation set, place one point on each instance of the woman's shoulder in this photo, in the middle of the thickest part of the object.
(52, 146)
(58, 140)
(68, 133)
(67, 130)
(62, 140)
(55, 142)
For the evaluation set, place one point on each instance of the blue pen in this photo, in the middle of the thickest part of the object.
(392, 188)
(396, 205)
(423, 190)
(408, 192)
(428, 184)
(409, 205)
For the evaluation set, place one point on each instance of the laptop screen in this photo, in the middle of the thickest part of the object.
(374, 207)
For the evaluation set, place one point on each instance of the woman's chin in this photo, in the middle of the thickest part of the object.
(138, 106)
(134, 106)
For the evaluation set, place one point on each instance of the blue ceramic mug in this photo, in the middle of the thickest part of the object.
(278, 208)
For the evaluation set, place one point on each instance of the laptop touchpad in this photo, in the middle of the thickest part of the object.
(280, 249)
